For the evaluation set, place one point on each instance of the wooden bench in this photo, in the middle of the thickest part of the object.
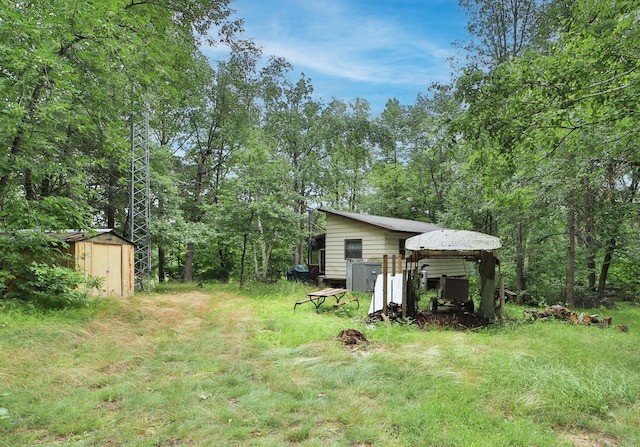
(317, 298)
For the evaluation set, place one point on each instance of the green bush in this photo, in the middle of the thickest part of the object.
(53, 286)
(33, 271)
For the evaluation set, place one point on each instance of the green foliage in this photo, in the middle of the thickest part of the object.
(625, 275)
(542, 122)
(71, 73)
(50, 286)
(500, 31)
(348, 138)
(549, 131)
(35, 271)
(47, 214)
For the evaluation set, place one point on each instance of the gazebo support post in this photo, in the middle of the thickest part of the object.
(385, 284)
(501, 316)
(487, 307)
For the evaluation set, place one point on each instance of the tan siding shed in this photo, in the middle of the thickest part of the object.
(103, 254)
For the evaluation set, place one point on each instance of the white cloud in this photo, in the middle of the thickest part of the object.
(368, 49)
(374, 43)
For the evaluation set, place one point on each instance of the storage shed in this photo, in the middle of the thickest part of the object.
(102, 254)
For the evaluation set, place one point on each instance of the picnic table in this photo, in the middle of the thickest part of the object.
(317, 298)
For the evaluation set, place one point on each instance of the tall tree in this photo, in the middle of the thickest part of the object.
(260, 210)
(219, 128)
(61, 63)
(348, 140)
(390, 182)
(293, 119)
(501, 30)
(433, 166)
(569, 116)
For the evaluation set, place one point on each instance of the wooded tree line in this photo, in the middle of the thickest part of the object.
(535, 140)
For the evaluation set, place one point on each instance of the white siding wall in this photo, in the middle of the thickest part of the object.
(448, 266)
(377, 242)
(338, 229)
(392, 247)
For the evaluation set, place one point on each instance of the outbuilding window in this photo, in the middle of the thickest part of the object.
(353, 248)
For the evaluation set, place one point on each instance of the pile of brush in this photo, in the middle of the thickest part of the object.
(563, 313)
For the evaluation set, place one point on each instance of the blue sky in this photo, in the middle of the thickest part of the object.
(372, 49)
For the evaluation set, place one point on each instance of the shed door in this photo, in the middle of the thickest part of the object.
(107, 264)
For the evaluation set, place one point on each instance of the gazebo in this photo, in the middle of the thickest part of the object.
(470, 246)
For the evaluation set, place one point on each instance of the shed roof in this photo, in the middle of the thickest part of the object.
(387, 223)
(83, 235)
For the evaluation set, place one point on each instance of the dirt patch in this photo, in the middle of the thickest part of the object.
(591, 439)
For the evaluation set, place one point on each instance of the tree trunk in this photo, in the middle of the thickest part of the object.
(29, 190)
(299, 257)
(591, 267)
(487, 308)
(604, 270)
(161, 264)
(244, 252)
(224, 268)
(589, 240)
(112, 190)
(265, 261)
(187, 275)
(520, 279)
(571, 256)
(265, 252)
(256, 271)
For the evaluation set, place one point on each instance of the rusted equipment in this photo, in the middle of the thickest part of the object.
(455, 291)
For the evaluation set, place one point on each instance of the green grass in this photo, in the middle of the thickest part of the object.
(219, 366)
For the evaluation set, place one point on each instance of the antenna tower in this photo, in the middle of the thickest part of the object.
(139, 204)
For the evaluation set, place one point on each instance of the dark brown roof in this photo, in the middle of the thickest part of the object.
(387, 223)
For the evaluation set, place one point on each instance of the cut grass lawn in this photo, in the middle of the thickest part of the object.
(219, 366)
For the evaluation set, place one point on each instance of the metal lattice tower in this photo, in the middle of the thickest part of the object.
(139, 204)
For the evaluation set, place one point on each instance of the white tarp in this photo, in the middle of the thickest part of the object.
(394, 292)
(455, 241)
